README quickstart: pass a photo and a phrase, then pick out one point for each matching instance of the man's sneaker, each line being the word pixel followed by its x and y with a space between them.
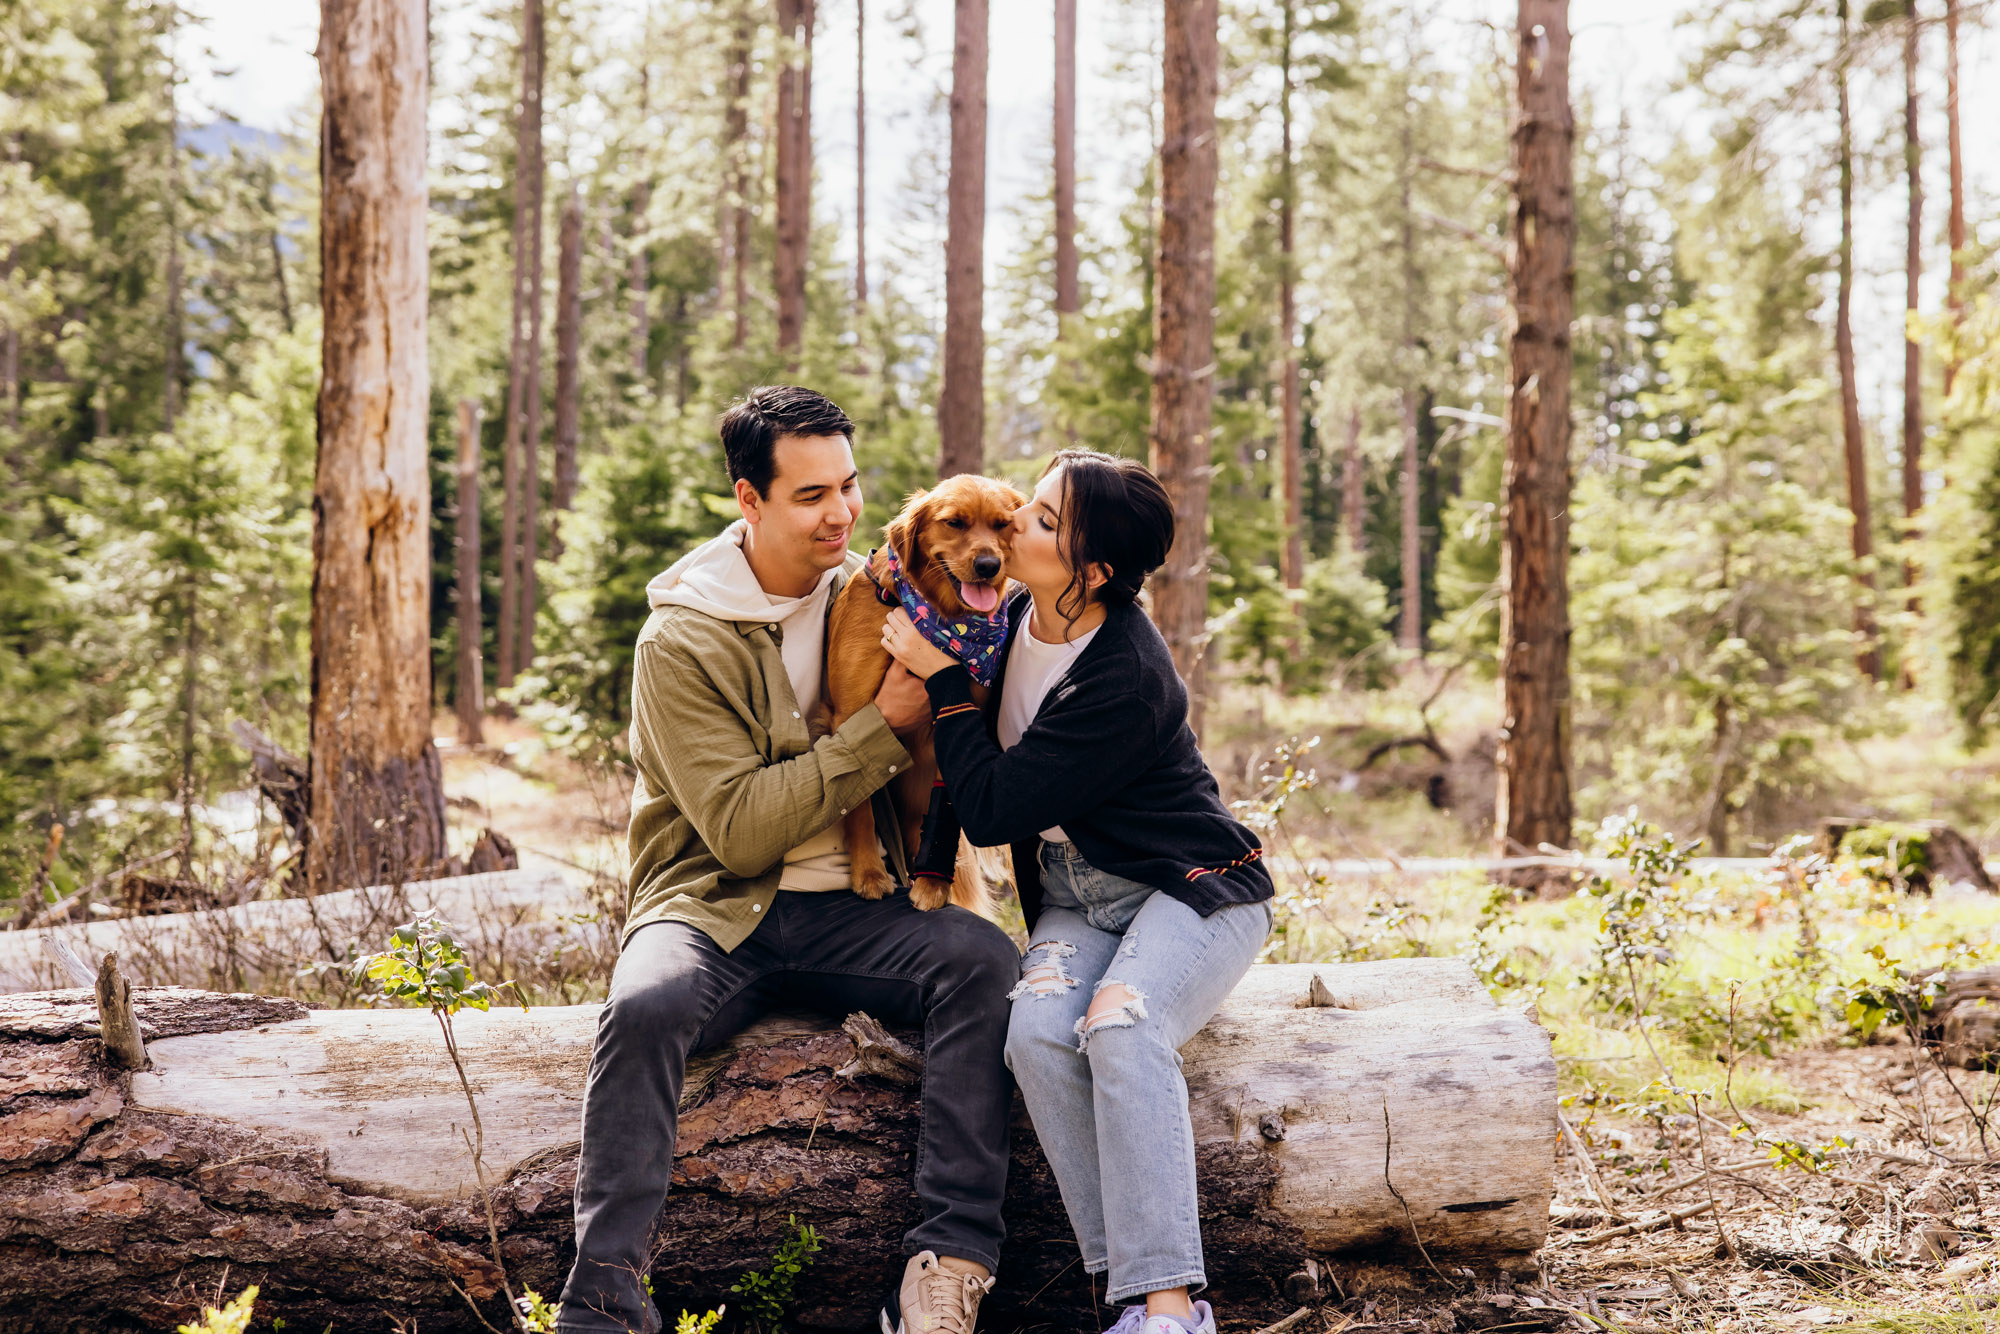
pixel 1202 1323
pixel 935 1300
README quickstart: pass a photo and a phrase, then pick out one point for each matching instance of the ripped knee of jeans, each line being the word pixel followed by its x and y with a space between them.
pixel 1115 1005
pixel 1043 972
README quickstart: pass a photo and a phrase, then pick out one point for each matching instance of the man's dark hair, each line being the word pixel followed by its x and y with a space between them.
pixel 751 428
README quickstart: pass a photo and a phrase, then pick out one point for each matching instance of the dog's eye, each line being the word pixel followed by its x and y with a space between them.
pixel 955 523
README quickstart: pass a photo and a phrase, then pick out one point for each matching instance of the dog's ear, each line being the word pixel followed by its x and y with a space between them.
pixel 905 528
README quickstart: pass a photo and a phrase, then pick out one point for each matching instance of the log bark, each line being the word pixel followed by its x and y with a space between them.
pixel 470 690
pixel 1868 655
pixel 1182 408
pixel 962 396
pixel 1534 805
pixel 794 132
pixel 375 798
pixel 317 1155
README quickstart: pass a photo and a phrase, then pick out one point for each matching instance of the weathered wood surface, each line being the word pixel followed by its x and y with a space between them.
pixel 502 917
pixel 318 1155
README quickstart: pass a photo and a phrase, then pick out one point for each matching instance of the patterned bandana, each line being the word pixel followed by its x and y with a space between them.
pixel 973 640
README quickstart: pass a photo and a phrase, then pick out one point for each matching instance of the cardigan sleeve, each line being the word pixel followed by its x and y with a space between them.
pixel 1063 767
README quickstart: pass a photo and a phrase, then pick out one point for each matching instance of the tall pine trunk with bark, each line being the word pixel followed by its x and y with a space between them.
pixel 375 797
pixel 1854 445
pixel 470 691
pixel 736 149
pixel 175 324
pixel 1955 226
pixel 1294 561
pixel 794 131
pixel 1913 272
pixel 1534 804
pixel 638 269
pixel 1410 624
pixel 860 154
pixel 1182 408
pixel 523 350
pixel 962 397
pixel 1068 295
pixel 569 331
pixel 1353 486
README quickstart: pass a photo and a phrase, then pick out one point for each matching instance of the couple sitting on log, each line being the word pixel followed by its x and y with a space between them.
pixel 1146 902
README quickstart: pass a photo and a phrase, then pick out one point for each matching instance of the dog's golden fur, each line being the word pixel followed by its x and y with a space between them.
pixel 938 538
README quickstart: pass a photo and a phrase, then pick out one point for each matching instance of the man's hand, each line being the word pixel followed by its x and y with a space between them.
pixel 902 700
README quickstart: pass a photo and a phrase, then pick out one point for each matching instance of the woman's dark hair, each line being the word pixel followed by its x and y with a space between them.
pixel 1115 513
pixel 750 429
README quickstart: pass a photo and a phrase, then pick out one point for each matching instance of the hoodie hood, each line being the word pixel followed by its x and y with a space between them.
pixel 715 579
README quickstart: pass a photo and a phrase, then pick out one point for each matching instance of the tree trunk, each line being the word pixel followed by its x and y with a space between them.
pixel 795 34
pixel 1913 270
pixel 317 1154
pixel 1068 295
pixel 471 689
pixel 170 401
pixel 860 154
pixel 1868 656
pixel 527 204
pixel 569 327
pixel 531 436
pixel 375 799
pixel 736 135
pixel 1353 488
pixel 638 269
pixel 962 398
pixel 1294 562
pixel 1184 330
pixel 1955 294
pixel 1534 803
pixel 1410 625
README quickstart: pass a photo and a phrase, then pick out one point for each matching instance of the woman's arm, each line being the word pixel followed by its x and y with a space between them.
pixel 1063 766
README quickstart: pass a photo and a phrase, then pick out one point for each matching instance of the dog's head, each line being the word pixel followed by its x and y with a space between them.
pixel 953 541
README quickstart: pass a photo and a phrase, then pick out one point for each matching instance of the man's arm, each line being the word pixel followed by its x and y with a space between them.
pixel 749 813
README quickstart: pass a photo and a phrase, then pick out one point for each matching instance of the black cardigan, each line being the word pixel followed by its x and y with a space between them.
pixel 1110 757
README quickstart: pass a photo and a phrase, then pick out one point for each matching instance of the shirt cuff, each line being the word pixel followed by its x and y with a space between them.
pixel 875 747
pixel 948 686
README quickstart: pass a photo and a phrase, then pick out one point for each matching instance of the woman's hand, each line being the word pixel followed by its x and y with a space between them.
pixel 907 646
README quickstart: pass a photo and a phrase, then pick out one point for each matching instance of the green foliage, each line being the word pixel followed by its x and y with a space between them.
pixel 1329 633
pixel 232 1318
pixel 766 1294
pixel 1890 854
pixel 535 1314
pixel 704 1323
pixel 1646 912
pixel 425 965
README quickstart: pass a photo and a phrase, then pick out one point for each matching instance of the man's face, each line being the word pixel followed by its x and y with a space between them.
pixel 815 500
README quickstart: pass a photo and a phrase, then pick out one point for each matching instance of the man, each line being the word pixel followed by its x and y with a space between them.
pixel 738 894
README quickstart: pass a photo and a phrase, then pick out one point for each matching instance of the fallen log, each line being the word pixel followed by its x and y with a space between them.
pixel 506 920
pixel 1341 1112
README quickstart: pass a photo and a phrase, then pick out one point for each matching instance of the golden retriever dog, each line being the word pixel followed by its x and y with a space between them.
pixel 951 543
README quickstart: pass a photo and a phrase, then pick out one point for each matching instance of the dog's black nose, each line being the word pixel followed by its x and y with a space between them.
pixel 986 566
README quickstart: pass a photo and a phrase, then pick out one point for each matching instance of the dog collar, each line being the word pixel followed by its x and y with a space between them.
pixel 973 640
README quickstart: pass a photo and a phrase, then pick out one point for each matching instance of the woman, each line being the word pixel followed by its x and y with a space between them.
pixel 1147 901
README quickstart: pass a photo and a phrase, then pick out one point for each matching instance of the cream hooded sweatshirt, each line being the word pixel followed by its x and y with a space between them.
pixel 715 579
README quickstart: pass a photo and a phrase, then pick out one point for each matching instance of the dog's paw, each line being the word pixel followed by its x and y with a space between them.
pixel 874 884
pixel 929 893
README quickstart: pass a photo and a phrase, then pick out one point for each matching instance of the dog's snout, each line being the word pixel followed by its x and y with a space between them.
pixel 986 565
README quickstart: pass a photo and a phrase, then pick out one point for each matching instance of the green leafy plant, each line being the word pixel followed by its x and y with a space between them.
pixel 425 965
pixel 1647 911
pixel 767 1293
pixel 233 1318
pixel 1892 855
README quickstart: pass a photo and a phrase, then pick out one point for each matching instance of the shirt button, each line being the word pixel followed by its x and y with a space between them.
pixel 756 907
pixel 843 810
pixel 795 713
pixel 892 768
pixel 774 629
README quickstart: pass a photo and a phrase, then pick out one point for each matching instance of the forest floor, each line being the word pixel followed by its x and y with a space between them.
pixel 1838 1183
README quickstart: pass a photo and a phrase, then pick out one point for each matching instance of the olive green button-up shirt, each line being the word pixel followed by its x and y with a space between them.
pixel 729 776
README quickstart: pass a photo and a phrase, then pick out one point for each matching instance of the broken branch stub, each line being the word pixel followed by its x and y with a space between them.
pixel 117 1024
pixel 879 1053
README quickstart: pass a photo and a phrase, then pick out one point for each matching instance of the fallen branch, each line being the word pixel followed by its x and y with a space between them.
pixel 1674 1219
pixel 117 1024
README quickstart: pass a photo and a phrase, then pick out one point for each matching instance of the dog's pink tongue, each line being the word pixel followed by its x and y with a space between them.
pixel 982 598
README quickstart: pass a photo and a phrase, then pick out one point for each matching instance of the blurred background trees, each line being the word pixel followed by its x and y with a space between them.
pixel 159 361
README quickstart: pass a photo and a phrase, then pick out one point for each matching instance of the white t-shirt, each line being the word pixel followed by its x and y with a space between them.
pixel 1033 668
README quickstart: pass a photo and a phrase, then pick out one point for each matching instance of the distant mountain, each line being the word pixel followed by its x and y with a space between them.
pixel 216 138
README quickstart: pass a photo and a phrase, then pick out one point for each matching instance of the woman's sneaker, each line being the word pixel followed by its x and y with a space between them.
pixel 935 1300
pixel 1134 1320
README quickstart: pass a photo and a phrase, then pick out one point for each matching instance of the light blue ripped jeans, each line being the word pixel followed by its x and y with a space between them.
pixel 1108 1101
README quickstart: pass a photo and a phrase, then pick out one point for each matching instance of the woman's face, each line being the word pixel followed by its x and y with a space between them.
pixel 1036 559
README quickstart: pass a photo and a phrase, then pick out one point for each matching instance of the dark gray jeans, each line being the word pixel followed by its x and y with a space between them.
pixel 675 992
